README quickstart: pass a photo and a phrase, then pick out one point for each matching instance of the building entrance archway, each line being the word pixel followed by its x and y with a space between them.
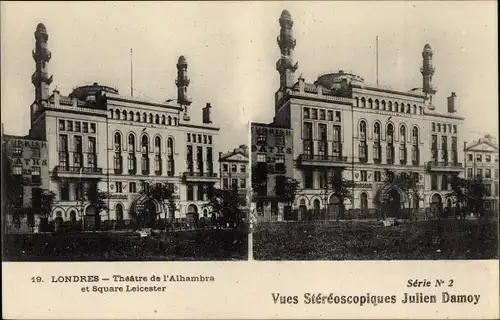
pixel 393 203
pixel 436 205
pixel 334 208
pixel 192 215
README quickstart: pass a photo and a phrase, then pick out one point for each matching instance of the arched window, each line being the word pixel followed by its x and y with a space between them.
pixel 145 154
pixel 111 114
pixel 124 114
pixel 137 117
pixel 157 119
pixel 363 102
pixel 414 110
pixel 356 102
pixel 132 162
pixel 117 114
pixel 383 105
pixel 144 117
pixel 434 182
pixel 118 141
pixel 150 118
pixel 377 105
pixel 169 120
pixel 370 103
pixel 175 121
pixel 415 153
pixel 364 202
pixel 316 206
pixel 444 182
pixel 420 111
pixel 415 135
pixel 376 131
pixel 131 143
pixel 390 133
pixel 131 115
pixel 119 214
pixel 163 119
pixel 362 130
pixel 402 134
pixel 390 145
pixel 396 107
pixel 408 107
pixel 389 106
pixel 170 157
pixel 118 156
pixel 158 155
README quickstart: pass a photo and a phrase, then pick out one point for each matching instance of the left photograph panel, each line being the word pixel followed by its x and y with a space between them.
pixel 117 145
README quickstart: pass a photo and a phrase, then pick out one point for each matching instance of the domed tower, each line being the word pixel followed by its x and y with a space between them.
pixel 427 71
pixel 286 43
pixel 41 79
pixel 182 83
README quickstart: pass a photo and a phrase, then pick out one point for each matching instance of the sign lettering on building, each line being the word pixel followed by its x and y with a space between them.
pixel 28 161
pixel 273 131
pixel 271 149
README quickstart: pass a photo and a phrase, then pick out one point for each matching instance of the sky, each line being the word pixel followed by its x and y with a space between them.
pixel 231 50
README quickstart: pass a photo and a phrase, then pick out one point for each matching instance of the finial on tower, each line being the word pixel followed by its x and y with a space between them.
pixel 286 43
pixel 427 71
pixel 182 83
pixel 41 54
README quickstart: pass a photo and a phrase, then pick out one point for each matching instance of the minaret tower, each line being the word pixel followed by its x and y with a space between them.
pixel 286 42
pixel 182 83
pixel 427 71
pixel 41 78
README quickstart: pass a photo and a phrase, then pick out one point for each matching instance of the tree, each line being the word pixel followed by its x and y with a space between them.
pixel 164 194
pixel 407 182
pixel 227 203
pixel 97 198
pixel 469 193
pixel 46 202
pixel 459 194
pixel 341 189
pixel 289 191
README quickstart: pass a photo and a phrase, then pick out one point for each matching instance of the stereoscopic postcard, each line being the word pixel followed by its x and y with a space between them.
pixel 249 160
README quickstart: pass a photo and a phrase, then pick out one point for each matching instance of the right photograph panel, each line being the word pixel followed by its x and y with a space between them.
pixel 351 169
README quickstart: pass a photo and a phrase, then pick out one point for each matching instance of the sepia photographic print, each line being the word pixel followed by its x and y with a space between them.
pixel 249 160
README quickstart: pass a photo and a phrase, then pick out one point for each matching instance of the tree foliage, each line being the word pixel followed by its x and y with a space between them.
pixel 97 198
pixel 163 193
pixel 468 193
pixel 47 198
pixel 289 192
pixel 226 203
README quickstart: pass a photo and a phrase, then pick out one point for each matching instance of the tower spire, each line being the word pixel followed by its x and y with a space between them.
pixel 286 43
pixel 182 83
pixel 41 54
pixel 427 71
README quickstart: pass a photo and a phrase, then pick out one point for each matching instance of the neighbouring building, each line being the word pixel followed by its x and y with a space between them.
pixel 342 125
pixel 234 171
pixel 272 162
pixel 26 173
pixel 96 136
pixel 481 159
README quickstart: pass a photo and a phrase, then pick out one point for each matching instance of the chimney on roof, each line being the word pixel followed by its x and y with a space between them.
pixel 206 114
pixel 451 103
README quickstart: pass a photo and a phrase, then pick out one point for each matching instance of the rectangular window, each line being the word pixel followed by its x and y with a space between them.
pixel 479 158
pixel 280 164
pixel 119 187
pixel 308 179
pixel 64 191
pixel 416 177
pixel 77 144
pixel 234 168
pixel 63 142
pixel 204 139
pixel 487 173
pixel 209 139
pixel 314 114
pixel 469 173
pixel 225 167
pixel 17 151
pixel 377 176
pixel 330 115
pixel 85 127
pixel 322 115
pixel 188 137
pixel 199 138
pixel 306 113
pixel 132 187
pixel 199 192
pixel 488 158
pixel 35 152
pixel 243 168
pixel 279 140
pixel 496 173
pixel 62 125
pixel 261 158
pixel 92 128
pixel 78 126
pixel 364 175
pixel 337 116
pixel 234 183
pixel 70 125
pixel 243 183
pixel 479 172
pixel 470 157
pixel 92 145
pixel 190 193
pixel 225 183
pixel 17 170
pixel 35 175
pixel 433 127
pixel 262 139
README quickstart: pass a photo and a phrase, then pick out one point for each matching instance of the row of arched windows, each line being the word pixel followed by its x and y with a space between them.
pixel 144 149
pixel 143 117
pixel 377 132
pixel 400 107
